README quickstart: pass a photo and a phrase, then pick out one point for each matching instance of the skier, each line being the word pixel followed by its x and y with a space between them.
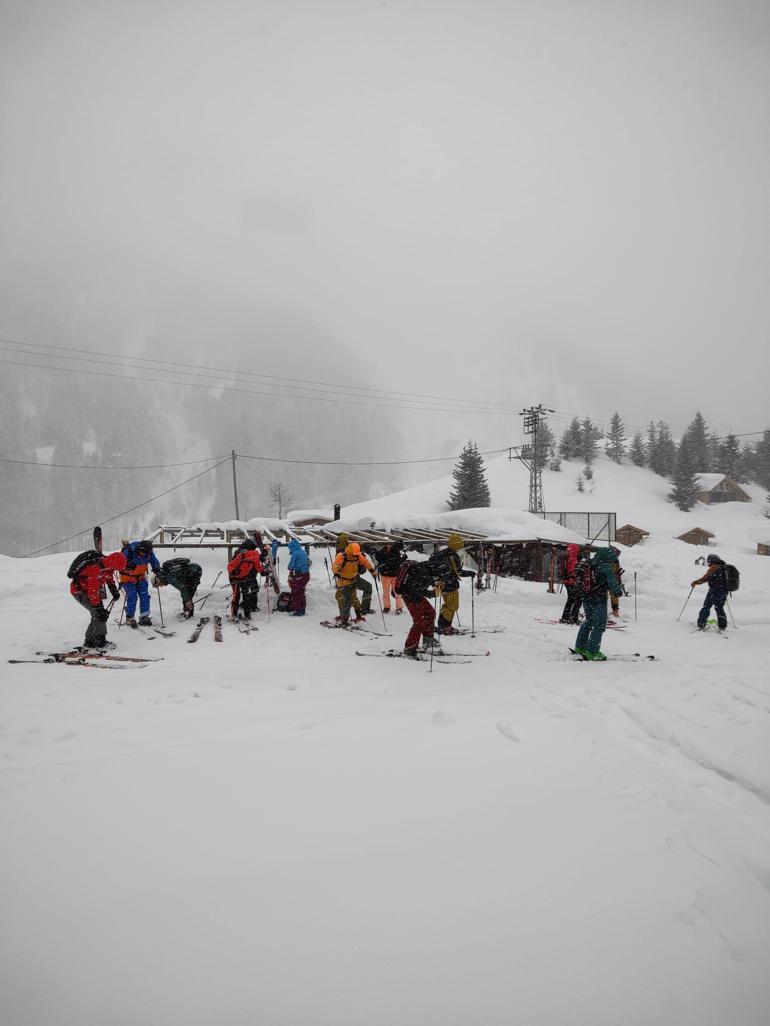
pixel 595 579
pixel 242 571
pixel 183 575
pixel 449 570
pixel 416 583
pixel 347 568
pixel 133 580
pixel 618 570
pixel 85 588
pixel 571 611
pixel 389 561
pixel 716 595
pixel 299 575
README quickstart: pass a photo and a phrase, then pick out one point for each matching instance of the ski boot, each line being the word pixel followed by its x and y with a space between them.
pixel 411 653
pixel 595 657
pixel 399 612
pixel 145 621
pixel 431 643
pixel 359 618
pixel 131 621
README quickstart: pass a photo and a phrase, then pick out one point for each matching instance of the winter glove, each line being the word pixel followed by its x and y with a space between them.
pixel 101 614
pixel 695 584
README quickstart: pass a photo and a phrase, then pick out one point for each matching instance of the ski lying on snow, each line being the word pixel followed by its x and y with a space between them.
pixel 217 628
pixel 243 625
pixel 561 623
pixel 702 630
pixel 80 661
pixel 464 655
pixel 479 630
pixel 421 657
pixel 353 627
pixel 634 657
pixel 85 653
pixel 197 632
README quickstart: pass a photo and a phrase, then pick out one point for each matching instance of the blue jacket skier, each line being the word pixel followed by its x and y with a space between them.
pixel 133 580
pixel 299 575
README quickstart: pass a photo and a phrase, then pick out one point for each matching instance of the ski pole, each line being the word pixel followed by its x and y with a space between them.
pixel 234 601
pixel 211 592
pixel 267 599
pixel 123 610
pixel 731 613
pixel 473 613
pixel 634 594
pixel 685 603
pixel 379 603
pixel 160 606
pixel 433 639
pixel 329 576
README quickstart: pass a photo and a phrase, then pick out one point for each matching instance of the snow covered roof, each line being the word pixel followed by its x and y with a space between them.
pixel 708 481
pixel 492 524
pixel 321 515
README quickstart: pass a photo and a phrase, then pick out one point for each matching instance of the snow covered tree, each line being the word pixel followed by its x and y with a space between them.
pixel 729 457
pixel 699 443
pixel 555 463
pixel 637 452
pixel 662 456
pixel 569 443
pixel 589 435
pixel 546 443
pixel 580 482
pixel 588 472
pixel 616 439
pixel 760 470
pixel 281 498
pixel 652 441
pixel 470 489
pixel 684 479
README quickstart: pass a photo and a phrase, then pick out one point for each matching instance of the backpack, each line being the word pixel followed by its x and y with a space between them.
pixel 79 563
pixel 400 581
pixel 283 605
pixel 732 577
pixel 172 565
pixel 416 573
pixel 585 578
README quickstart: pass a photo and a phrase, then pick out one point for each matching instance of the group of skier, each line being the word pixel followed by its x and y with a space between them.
pixel 590 578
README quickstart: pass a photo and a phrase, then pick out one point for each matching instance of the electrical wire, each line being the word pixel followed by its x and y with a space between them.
pixel 304 384
pixel 361 463
pixel 76 466
pixel 218 387
pixel 125 512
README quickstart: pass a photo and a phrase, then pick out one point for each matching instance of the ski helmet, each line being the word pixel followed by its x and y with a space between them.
pixel 248 543
pixel 712 559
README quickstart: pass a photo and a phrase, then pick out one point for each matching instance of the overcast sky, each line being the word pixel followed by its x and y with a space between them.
pixel 535 200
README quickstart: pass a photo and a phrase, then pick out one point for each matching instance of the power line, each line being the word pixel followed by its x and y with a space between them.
pixel 361 463
pixel 304 384
pixel 125 512
pixel 75 466
pixel 249 391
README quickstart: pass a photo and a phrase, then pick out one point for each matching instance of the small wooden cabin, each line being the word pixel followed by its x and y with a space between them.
pixel 630 535
pixel 696 536
pixel 763 549
pixel 719 488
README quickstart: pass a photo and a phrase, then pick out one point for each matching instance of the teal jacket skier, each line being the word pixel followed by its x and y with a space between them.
pixel 599 578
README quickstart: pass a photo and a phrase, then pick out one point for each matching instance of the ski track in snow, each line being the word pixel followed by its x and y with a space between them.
pixel 446 846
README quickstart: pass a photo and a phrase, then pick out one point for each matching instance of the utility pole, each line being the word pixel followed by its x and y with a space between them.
pixel 235 489
pixel 533 418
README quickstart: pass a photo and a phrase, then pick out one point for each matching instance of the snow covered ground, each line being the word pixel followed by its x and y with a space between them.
pixel 274 831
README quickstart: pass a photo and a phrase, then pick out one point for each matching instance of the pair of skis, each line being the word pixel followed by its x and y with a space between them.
pixel 423 657
pixel 217 620
pixel 359 628
pixel 89 658
pixel 633 657
pixel 611 625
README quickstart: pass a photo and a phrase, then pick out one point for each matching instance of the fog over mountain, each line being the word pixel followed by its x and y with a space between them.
pixel 559 202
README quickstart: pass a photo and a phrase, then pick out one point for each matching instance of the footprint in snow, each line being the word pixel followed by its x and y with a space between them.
pixel 506 731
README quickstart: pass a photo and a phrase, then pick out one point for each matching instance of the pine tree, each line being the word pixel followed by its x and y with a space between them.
pixel 546 444
pixel 589 436
pixel 698 434
pixel 636 452
pixel 652 443
pixel 616 439
pixel 580 482
pixel 684 493
pixel 470 489
pixel 761 461
pixel 588 472
pixel 569 443
pixel 662 457
pixel 729 458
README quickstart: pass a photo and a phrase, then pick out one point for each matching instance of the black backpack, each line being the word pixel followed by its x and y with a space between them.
pixel 283 605
pixel 171 565
pixel 732 577
pixel 79 563
pixel 414 573
pixel 585 578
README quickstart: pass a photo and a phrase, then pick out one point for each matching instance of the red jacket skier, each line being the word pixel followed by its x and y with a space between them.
pixel 86 589
pixel 242 571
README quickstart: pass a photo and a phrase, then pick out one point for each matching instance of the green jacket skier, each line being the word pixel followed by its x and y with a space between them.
pixel 183 575
pixel 597 578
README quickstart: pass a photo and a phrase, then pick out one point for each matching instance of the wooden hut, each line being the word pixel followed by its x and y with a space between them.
pixel 719 488
pixel 763 549
pixel 696 536
pixel 630 535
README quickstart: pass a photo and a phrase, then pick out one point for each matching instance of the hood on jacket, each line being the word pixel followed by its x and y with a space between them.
pixel 295 546
pixel 605 556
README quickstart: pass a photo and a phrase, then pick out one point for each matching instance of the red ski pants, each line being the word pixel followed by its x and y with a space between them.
pixel 423 621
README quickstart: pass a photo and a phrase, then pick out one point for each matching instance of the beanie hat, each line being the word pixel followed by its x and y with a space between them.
pixel 455 542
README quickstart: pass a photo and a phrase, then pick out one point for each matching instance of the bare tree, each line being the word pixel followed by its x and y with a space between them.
pixel 281 498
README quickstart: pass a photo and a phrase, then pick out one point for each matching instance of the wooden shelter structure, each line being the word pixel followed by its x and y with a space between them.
pixel 696 536
pixel 630 535
pixel 763 549
pixel 720 488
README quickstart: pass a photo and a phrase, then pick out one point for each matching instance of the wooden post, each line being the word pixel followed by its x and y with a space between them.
pixel 235 488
